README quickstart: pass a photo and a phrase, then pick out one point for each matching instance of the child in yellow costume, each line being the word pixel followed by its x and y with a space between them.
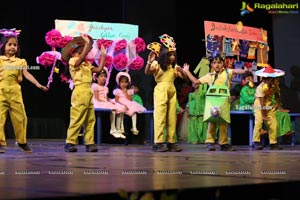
pixel 264 107
pixel 219 76
pixel 164 70
pixel 82 107
pixel 11 70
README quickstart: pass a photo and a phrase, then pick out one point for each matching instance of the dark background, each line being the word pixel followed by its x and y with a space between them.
pixel 48 112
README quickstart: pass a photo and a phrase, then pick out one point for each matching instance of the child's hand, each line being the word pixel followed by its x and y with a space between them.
pixel 85 37
pixel 44 88
pixel 186 67
pixel 103 50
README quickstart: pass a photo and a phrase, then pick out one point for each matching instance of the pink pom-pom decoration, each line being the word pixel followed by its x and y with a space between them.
pixel 46 59
pixel 137 63
pixel 120 61
pixel 140 44
pixel 65 40
pixel 108 61
pixel 105 43
pixel 53 38
pixel 121 44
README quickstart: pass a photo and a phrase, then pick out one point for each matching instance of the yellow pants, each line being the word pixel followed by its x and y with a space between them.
pixel 11 100
pixel 81 114
pixel 272 126
pixel 211 133
pixel 165 113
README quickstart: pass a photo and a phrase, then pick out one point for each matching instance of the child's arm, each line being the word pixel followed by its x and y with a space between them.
pixel 101 65
pixel 240 71
pixel 149 69
pixel 84 51
pixel 31 78
pixel 262 109
pixel 180 71
pixel 189 74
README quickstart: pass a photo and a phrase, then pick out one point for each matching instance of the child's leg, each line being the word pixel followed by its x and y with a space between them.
pixel 117 133
pixel 122 129
pixel 113 121
pixel 134 129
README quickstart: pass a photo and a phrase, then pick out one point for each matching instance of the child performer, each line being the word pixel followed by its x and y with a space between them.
pixel 11 70
pixel 220 76
pixel 82 107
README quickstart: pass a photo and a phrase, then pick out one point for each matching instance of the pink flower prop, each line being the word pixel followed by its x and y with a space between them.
pixel 120 61
pixel 108 61
pixel 121 44
pixel 140 44
pixel 53 38
pixel 65 40
pixel 137 63
pixel 105 43
pixel 46 59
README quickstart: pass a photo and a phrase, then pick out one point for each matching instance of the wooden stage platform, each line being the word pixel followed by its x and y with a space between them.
pixel 51 173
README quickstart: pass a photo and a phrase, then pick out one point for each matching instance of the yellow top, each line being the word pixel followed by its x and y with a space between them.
pixel 81 74
pixel 221 80
pixel 167 76
pixel 11 68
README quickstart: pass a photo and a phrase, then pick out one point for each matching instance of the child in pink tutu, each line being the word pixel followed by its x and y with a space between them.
pixel 101 100
pixel 123 95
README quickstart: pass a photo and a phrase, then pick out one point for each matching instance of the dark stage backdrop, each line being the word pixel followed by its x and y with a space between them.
pixel 182 19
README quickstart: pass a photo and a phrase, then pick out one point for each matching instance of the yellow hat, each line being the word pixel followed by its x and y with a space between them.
pixel 168 41
pixel 72 45
pixel 154 47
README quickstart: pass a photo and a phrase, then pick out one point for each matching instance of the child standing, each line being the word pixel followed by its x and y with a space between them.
pixel 11 70
pixel 123 95
pixel 82 107
pixel 220 76
pixel 164 70
pixel 101 100
pixel 265 108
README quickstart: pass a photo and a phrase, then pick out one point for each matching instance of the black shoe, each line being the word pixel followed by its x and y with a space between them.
pixel 160 147
pixel 211 147
pixel 91 148
pixel 227 147
pixel 2 149
pixel 70 147
pixel 173 147
pixel 25 148
pixel 275 147
pixel 257 146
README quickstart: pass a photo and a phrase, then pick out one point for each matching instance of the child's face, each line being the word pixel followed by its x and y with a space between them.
pixel 123 83
pixel 246 80
pixel 101 79
pixel 11 47
pixel 136 89
pixel 217 65
pixel 172 57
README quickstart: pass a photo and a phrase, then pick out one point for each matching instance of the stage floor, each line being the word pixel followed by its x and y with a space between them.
pixel 49 172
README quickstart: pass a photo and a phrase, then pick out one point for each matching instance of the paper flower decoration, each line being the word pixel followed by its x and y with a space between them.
pixel 137 63
pixel 140 44
pixel 105 43
pixel 48 58
pixel 53 38
pixel 65 40
pixel 120 61
pixel 121 44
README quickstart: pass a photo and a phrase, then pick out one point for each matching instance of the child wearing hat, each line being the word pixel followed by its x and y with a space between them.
pixel 82 108
pixel 162 64
pixel 12 68
pixel 123 95
pixel 264 107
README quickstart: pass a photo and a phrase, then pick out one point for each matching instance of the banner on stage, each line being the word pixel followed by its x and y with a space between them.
pixel 236 31
pixel 97 30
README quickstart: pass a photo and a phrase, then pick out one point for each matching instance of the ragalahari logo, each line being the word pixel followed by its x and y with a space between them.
pixel 246 9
